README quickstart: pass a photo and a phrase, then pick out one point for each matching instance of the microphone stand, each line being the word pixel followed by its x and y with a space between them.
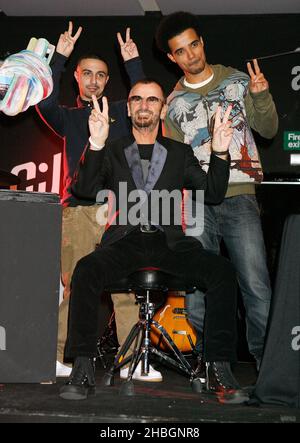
pixel 275 55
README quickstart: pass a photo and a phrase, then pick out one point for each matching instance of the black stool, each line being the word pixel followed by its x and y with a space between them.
pixel 148 285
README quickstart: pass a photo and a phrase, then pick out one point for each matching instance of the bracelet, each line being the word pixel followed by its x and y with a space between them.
pixel 219 152
pixel 95 147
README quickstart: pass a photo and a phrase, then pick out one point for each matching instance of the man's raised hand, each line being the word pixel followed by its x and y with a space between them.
pixel 66 41
pixel 222 132
pixel 257 83
pixel 99 122
pixel 128 48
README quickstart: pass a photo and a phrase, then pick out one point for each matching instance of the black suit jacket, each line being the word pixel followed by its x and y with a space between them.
pixel 173 168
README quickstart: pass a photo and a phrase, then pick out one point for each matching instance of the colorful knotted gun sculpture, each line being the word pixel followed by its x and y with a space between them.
pixel 25 77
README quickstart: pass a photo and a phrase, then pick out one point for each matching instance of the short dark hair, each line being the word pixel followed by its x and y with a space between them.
pixel 148 81
pixel 93 56
pixel 174 24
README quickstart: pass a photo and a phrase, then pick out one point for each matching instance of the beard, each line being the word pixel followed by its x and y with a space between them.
pixel 148 120
pixel 196 67
pixel 195 70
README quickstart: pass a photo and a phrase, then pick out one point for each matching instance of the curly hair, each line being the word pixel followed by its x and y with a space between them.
pixel 174 24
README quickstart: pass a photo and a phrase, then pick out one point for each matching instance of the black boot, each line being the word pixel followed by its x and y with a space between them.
pixel 221 381
pixel 81 382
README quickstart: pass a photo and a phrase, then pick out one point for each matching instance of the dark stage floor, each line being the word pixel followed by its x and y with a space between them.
pixel 171 401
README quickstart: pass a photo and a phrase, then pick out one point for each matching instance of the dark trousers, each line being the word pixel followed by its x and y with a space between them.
pixel 195 266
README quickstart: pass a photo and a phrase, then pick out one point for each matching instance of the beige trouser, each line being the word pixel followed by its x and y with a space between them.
pixel 80 235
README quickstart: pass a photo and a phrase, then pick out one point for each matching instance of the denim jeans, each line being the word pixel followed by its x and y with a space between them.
pixel 237 222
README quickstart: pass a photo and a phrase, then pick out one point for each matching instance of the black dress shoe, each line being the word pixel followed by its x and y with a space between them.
pixel 221 382
pixel 81 383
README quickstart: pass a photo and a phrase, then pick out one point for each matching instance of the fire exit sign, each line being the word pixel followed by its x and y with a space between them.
pixel 291 141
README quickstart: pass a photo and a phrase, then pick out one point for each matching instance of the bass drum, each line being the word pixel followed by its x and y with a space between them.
pixel 173 317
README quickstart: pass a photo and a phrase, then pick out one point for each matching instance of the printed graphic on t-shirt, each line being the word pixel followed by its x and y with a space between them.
pixel 193 115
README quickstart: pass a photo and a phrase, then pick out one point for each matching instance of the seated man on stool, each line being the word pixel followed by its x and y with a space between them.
pixel 146 164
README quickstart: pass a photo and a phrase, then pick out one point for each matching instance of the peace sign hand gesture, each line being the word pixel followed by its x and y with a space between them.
pixel 222 133
pixel 66 42
pixel 99 122
pixel 257 83
pixel 128 49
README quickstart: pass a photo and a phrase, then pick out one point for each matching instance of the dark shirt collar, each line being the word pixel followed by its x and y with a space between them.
pixel 129 139
pixel 85 103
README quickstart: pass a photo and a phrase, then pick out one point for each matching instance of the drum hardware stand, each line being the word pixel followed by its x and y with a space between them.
pixel 140 333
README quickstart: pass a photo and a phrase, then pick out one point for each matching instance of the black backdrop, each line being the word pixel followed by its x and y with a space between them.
pixel 30 149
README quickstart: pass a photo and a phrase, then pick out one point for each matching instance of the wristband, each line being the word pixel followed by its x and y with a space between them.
pixel 94 146
pixel 219 152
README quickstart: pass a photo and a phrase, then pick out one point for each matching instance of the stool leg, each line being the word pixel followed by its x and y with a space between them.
pixel 199 376
pixel 140 352
pixel 181 362
pixel 119 360
pixel 108 378
pixel 147 341
pixel 127 387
